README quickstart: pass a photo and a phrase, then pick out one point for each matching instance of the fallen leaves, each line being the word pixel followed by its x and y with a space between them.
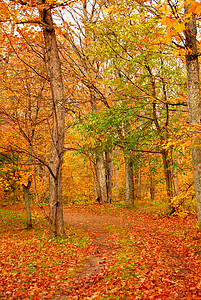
pixel 150 259
pixel 31 264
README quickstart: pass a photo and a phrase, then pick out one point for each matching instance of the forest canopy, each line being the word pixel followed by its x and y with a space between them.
pixel 100 100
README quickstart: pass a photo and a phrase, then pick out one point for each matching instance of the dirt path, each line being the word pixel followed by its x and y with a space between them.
pixel 105 247
pixel 105 250
pixel 174 270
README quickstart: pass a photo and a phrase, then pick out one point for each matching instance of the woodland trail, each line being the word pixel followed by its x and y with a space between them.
pixel 165 268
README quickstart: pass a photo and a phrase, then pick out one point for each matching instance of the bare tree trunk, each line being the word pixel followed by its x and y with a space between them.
pixel 152 187
pixel 108 176
pixel 26 189
pixel 176 187
pixel 101 179
pixel 58 130
pixel 168 173
pixel 129 182
pixel 137 182
pixel 194 105
pixel 116 176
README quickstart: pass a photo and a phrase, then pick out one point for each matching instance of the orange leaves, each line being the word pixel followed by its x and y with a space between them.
pixel 4 11
pixel 175 19
pixel 194 7
pixel 152 259
pixel 32 265
pixel 168 21
pixel 174 26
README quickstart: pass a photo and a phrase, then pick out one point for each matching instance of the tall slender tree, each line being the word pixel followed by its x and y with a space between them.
pixel 39 13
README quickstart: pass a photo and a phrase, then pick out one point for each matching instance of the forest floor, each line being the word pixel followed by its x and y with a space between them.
pixel 111 253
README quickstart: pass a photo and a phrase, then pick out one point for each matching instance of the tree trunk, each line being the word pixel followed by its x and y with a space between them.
pixel 168 174
pixel 194 105
pixel 116 176
pixel 137 182
pixel 58 130
pixel 152 187
pixel 101 179
pixel 176 186
pixel 26 189
pixel 108 176
pixel 163 134
pixel 129 182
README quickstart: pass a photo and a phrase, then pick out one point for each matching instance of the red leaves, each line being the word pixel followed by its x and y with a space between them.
pixel 154 262
pixel 139 258
pixel 34 266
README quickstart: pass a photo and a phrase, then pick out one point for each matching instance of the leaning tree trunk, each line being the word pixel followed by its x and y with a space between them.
pixel 194 105
pixel 130 196
pixel 58 130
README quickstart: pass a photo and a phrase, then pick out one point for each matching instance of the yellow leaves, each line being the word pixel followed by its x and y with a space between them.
pixel 178 52
pixel 109 9
pixel 25 177
pixel 183 204
pixel 198 9
pixel 179 27
pixel 174 24
pixel 166 9
pixel 35 215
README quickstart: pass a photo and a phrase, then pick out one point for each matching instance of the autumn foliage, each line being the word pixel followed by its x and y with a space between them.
pixel 100 113
pixel 131 255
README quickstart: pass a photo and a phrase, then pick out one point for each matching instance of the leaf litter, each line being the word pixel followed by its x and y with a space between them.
pixel 125 256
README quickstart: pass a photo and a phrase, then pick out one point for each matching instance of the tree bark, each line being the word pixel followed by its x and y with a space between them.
pixel 176 186
pixel 194 105
pixel 58 130
pixel 137 182
pixel 152 187
pixel 101 179
pixel 163 134
pixel 116 176
pixel 26 189
pixel 129 182
pixel 108 176
pixel 168 173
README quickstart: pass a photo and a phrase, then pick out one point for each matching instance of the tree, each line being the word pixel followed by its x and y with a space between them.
pixel 144 92
pixel 22 94
pixel 182 31
pixel 39 14
pixel 194 101
pixel 86 72
pixel 58 130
